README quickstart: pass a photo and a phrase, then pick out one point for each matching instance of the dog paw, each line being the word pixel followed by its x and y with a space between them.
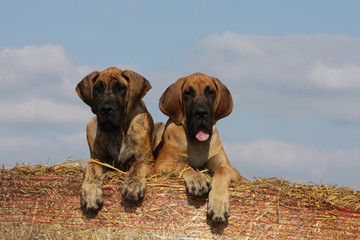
pixel 197 184
pixel 134 189
pixel 218 206
pixel 91 199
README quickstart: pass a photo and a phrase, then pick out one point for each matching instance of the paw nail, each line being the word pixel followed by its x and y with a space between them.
pixel 217 219
pixel 124 192
pixel 99 202
pixel 211 213
pixel 83 204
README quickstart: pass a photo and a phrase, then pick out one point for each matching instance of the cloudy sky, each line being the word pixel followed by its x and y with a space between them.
pixel 293 68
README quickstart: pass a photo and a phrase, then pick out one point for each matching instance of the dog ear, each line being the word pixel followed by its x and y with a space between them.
pixel 170 102
pixel 138 87
pixel 224 102
pixel 85 87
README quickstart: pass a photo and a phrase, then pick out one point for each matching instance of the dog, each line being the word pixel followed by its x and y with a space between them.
pixel 191 141
pixel 120 135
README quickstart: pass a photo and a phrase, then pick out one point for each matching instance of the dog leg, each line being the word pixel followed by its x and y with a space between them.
pixel 135 181
pixel 138 145
pixel 196 182
pixel 91 131
pixel 91 193
pixel 219 197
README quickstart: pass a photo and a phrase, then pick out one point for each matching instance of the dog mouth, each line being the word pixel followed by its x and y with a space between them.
pixel 107 126
pixel 202 135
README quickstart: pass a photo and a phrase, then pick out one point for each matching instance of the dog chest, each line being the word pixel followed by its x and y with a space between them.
pixel 198 154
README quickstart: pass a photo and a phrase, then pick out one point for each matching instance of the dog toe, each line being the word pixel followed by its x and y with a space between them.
pixel 134 189
pixel 91 199
pixel 218 206
pixel 198 184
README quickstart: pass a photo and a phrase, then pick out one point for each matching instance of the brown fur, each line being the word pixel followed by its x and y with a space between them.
pixel 177 152
pixel 128 148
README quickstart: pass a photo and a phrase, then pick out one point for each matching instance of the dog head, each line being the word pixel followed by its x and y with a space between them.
pixel 112 94
pixel 197 102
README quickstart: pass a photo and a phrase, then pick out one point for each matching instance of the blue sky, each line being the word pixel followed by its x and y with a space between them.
pixel 292 67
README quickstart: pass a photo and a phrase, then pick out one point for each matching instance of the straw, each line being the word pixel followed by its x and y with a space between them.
pixel 42 202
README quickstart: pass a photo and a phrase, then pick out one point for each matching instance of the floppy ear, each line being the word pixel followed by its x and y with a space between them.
pixel 138 87
pixel 224 102
pixel 84 89
pixel 170 103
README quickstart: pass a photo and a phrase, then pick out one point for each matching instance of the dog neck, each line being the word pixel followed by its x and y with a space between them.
pixel 107 145
pixel 198 153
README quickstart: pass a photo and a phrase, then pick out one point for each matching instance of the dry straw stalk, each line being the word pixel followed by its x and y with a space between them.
pixel 42 202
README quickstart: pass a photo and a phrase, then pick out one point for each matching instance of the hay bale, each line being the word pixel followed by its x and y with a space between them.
pixel 41 202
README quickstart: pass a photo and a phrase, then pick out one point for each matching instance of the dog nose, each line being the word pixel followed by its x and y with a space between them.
pixel 107 109
pixel 201 113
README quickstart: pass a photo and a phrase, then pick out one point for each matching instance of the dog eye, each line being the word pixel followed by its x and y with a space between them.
pixel 120 88
pixel 188 93
pixel 98 89
pixel 210 92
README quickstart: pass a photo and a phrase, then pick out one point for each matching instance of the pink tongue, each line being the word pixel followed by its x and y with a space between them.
pixel 202 136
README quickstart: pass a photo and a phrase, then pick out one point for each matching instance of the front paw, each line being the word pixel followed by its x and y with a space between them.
pixel 91 199
pixel 218 206
pixel 197 183
pixel 134 189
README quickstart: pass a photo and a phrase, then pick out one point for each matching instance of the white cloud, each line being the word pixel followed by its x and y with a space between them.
pixel 336 78
pixel 38 85
pixel 268 152
pixel 272 158
pixel 42 149
pixel 42 110
pixel 290 76
pixel 41 72
pixel 32 64
pixel 41 115
pixel 233 44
